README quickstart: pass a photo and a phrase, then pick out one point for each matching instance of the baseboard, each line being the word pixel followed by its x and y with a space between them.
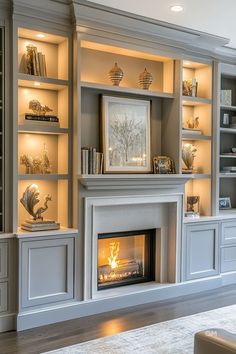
pixel 7 322
pixel 69 311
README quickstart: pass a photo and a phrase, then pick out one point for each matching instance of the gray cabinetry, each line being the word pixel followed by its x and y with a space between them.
pixel 200 250
pixel 228 246
pixel 46 270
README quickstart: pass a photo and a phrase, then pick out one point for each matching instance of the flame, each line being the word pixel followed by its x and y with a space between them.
pixel 113 259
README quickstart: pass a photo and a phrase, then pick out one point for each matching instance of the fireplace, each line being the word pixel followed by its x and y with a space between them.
pixel 126 258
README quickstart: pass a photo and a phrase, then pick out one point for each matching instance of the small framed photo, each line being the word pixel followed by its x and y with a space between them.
pixel 224 203
pixel 126 135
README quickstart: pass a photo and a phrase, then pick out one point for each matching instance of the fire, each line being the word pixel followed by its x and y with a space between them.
pixel 113 259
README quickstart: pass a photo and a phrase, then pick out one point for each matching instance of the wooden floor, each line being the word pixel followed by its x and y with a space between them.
pixel 63 334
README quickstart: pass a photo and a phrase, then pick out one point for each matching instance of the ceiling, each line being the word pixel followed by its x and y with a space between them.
pixel 216 17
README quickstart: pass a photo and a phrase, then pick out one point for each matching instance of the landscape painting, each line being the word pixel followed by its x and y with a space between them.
pixel 126 135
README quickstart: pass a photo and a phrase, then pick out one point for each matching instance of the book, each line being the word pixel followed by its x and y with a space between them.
pixel 94 161
pixel 44 66
pixel 91 161
pixel 46 118
pixel 28 226
pixel 41 68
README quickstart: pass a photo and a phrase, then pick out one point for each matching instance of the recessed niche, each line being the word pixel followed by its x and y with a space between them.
pixel 203 74
pixel 201 188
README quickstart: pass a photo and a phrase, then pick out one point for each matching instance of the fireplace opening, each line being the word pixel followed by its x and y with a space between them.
pixel 126 258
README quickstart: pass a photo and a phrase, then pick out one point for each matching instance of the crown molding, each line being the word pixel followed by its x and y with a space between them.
pixel 93 18
pixel 53 11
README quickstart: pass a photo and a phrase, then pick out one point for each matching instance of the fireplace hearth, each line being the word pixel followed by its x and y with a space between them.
pixel 126 258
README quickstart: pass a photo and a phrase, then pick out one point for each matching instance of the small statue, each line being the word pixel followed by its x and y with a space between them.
pixel 37 165
pixel 188 155
pixel 193 123
pixel 29 200
pixel 38 109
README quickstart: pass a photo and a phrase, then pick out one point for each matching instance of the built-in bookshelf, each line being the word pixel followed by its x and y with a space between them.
pixel 44 139
pixel 2 136
pixel 197 129
pixel 227 138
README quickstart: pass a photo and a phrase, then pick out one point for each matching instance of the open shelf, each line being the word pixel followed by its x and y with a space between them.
pixel 41 177
pixel 200 187
pixel 195 101
pixel 25 80
pixel 190 136
pixel 233 156
pixel 124 90
pixel 132 63
pixel 228 130
pixel 41 129
pixel 197 175
pixel 228 108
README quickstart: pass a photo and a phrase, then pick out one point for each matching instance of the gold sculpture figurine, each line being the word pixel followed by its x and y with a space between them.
pixel 38 108
pixel 29 200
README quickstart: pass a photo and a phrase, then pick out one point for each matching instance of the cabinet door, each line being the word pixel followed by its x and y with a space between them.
pixel 201 251
pixel 46 271
pixel 3 259
pixel 228 233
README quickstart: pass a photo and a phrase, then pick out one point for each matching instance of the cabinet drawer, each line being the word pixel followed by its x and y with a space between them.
pixel 228 234
pixel 3 259
pixel 228 259
pixel 3 296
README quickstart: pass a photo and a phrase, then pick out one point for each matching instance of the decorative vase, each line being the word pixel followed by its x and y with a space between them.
pixel 116 75
pixel 145 79
pixel 188 155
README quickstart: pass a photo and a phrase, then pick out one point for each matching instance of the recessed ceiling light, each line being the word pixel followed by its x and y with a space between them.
pixel 40 35
pixel 37 84
pixel 177 8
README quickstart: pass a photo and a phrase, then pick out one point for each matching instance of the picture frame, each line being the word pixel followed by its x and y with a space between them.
pixel 225 203
pixel 163 165
pixel 126 135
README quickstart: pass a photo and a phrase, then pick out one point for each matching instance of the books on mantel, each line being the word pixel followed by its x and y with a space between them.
pixel 191 131
pixel 91 161
pixel 42 120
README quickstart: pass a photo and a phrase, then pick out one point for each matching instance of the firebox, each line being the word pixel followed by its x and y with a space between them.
pixel 126 258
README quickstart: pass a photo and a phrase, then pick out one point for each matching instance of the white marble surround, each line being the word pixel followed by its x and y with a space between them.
pixel 123 213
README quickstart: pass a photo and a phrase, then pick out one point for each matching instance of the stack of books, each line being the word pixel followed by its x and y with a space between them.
pixel 91 161
pixel 42 120
pixel 35 62
pixel 38 225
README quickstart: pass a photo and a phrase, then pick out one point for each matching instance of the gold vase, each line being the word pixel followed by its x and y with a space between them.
pixel 145 79
pixel 116 75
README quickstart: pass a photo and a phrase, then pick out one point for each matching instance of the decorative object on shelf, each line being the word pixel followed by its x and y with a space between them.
pixel 37 165
pixel 35 61
pixel 188 155
pixel 233 149
pixel 225 120
pixel 126 135
pixel 145 79
pixel 91 161
pixel 40 116
pixel 163 165
pixel 226 97
pixel 116 75
pixel 225 203
pixel 29 200
pixel 190 87
pixel 193 206
pixel 193 123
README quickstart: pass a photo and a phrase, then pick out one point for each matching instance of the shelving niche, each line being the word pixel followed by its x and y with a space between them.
pixel 34 138
pixel 95 82
pixel 192 107
pixel 227 134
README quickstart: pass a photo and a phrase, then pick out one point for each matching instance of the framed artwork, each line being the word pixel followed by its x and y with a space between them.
pixel 126 135
pixel 224 203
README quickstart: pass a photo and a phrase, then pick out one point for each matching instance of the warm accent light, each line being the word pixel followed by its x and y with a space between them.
pixel 40 35
pixel 37 84
pixel 177 8
pixel 187 63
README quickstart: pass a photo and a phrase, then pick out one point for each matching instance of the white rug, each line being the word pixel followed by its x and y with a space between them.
pixel 170 337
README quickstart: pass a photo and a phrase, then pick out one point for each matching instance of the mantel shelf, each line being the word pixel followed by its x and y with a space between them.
pixel 132 181
pixel 134 91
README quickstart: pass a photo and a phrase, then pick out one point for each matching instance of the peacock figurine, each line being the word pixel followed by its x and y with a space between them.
pixel 30 199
